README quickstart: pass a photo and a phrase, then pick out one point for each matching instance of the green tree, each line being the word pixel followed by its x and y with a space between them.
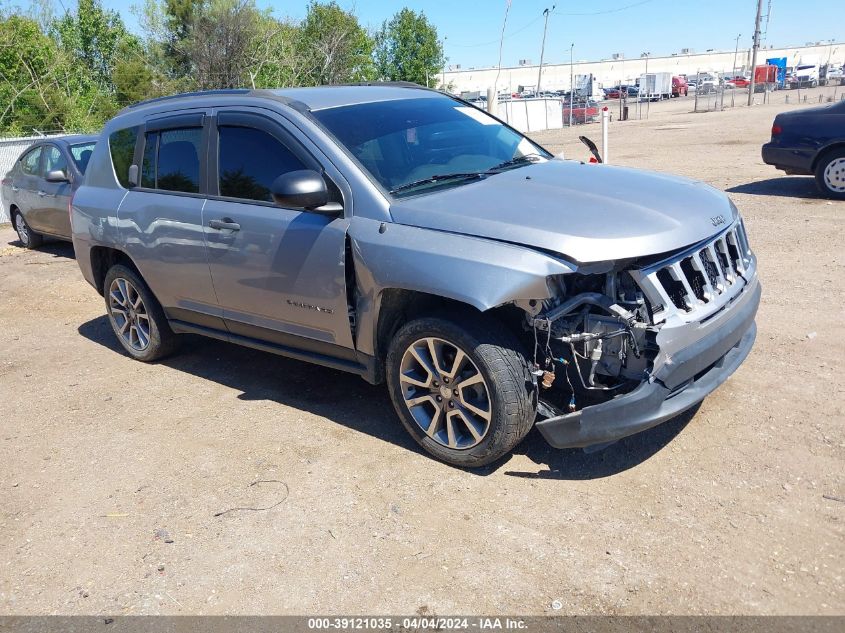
pixel 407 49
pixel 220 42
pixel 334 47
pixel 26 65
pixel 276 57
pixel 91 38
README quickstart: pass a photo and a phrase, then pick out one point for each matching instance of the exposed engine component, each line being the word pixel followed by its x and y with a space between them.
pixel 600 337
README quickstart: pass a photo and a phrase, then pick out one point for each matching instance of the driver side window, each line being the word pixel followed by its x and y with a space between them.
pixel 250 160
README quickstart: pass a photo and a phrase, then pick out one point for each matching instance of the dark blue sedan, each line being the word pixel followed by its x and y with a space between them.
pixel 811 142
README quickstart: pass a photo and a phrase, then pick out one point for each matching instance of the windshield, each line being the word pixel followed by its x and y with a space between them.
pixel 82 154
pixel 407 141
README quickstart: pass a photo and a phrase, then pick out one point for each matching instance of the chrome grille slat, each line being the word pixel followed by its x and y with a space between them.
pixel 738 262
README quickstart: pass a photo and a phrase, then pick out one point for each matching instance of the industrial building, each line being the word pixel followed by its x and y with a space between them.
pixel 621 70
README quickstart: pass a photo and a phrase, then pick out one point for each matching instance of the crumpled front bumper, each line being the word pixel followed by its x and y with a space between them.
pixel 694 371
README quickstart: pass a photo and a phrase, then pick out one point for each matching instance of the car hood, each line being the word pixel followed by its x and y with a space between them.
pixel 584 212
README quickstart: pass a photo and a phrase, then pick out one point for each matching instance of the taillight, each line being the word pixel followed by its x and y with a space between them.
pixel 776 129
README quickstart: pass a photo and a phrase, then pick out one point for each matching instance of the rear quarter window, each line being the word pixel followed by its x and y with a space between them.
pixel 122 150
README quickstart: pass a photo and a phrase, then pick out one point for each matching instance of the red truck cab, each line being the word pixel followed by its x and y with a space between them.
pixel 679 86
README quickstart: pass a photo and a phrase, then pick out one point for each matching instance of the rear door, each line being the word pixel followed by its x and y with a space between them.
pixel 25 186
pixel 161 218
pixel 280 274
pixel 52 198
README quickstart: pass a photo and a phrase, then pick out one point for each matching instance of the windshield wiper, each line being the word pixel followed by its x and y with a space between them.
pixel 438 178
pixel 517 160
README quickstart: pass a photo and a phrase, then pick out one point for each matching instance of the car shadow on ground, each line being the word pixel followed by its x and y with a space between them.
pixel 350 401
pixel 56 248
pixel 578 464
pixel 787 186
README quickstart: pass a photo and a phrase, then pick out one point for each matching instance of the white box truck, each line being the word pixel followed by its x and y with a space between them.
pixel 655 86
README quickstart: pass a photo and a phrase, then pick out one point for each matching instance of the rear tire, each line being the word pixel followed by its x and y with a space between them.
pixel 475 401
pixel 28 238
pixel 136 317
pixel 830 174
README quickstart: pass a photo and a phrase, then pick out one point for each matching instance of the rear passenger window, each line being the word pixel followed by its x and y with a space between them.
pixel 29 163
pixel 122 150
pixel 250 160
pixel 172 160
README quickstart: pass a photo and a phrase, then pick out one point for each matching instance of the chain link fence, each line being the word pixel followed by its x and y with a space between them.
pixel 10 150
pixel 711 94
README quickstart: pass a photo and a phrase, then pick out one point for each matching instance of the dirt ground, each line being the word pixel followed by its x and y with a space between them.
pixel 112 471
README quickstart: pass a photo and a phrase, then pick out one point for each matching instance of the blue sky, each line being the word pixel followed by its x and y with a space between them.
pixel 472 28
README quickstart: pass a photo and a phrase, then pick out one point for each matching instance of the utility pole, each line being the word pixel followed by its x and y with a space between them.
pixel 754 49
pixel 572 84
pixel 736 52
pixel 543 48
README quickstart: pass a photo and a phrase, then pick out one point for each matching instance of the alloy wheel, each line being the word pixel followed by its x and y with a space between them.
pixel 129 314
pixel 22 230
pixel 445 393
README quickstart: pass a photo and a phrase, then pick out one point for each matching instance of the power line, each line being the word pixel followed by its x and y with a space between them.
pixel 540 17
pixel 497 40
pixel 606 11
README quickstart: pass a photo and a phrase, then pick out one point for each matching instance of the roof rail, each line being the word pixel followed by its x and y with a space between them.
pixel 199 93
pixel 395 84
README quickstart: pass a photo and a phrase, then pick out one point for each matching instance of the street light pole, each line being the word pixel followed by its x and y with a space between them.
pixel 543 47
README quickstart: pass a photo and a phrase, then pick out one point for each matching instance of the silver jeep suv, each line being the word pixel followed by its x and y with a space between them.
pixel 409 237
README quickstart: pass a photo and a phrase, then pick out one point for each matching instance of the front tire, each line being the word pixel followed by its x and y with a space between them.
pixel 461 387
pixel 28 238
pixel 830 174
pixel 136 317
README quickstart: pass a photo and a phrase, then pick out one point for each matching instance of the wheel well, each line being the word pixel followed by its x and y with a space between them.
pixel 827 150
pixel 398 306
pixel 12 210
pixel 103 258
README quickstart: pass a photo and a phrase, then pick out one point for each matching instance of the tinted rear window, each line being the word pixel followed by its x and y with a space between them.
pixel 81 154
pixel 31 161
pixel 171 160
pixel 122 149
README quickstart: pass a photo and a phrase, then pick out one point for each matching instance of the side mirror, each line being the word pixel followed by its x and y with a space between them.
pixel 304 189
pixel 56 175
pixel 132 176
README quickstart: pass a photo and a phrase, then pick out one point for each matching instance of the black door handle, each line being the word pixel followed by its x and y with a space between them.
pixel 225 223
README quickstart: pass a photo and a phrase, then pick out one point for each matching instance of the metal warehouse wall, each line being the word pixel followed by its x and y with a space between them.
pixel 10 150
pixel 612 71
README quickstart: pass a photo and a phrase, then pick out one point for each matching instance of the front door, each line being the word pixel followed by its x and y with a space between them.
pixel 279 273
pixel 52 198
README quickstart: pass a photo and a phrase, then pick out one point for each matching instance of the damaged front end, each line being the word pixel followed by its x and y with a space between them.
pixel 619 351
